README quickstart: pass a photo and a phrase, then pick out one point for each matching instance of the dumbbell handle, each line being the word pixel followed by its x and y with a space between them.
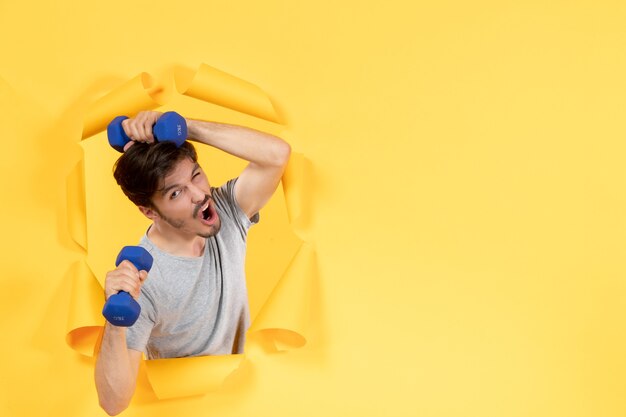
pixel 170 127
pixel 121 309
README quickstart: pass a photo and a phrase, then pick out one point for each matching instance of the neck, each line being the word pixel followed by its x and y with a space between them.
pixel 175 242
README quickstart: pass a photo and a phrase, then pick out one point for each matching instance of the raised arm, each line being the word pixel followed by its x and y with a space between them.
pixel 116 365
pixel 267 156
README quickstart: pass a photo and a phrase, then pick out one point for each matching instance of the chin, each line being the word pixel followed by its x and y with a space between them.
pixel 215 228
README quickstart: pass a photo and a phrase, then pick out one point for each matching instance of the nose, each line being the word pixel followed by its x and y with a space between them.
pixel 197 194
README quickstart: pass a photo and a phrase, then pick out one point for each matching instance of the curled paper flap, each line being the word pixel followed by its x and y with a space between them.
pixel 218 87
pixel 140 93
pixel 183 377
pixel 273 244
pixel 285 317
pixel 297 185
pixel 76 212
pixel 85 320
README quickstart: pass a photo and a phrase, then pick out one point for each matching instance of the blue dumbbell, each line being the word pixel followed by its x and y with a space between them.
pixel 171 127
pixel 121 309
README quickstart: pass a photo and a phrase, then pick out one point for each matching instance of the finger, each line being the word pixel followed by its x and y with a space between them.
pixel 128 265
pixel 128 145
pixel 144 123
pixel 122 282
pixel 134 134
pixel 143 275
pixel 130 286
pixel 141 130
pixel 126 126
pixel 147 129
pixel 127 285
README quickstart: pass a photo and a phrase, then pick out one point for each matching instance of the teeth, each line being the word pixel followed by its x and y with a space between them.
pixel 203 209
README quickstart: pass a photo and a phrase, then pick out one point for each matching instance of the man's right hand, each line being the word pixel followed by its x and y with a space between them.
pixel 124 278
pixel 139 128
pixel 117 365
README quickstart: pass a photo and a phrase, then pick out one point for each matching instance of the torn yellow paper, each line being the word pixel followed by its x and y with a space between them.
pixel 85 316
pixel 287 312
pixel 296 181
pixel 140 93
pixel 76 216
pixel 218 87
pixel 183 377
pixel 272 245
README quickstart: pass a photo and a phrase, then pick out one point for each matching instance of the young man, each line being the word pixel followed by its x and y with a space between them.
pixel 195 301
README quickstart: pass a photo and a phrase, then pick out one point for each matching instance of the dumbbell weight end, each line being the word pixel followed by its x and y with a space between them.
pixel 121 309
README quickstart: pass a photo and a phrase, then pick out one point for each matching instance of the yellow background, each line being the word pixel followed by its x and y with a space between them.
pixel 467 206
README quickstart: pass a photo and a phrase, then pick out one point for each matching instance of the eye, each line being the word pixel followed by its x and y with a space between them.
pixel 175 194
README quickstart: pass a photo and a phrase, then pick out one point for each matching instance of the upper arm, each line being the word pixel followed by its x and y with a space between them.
pixel 257 183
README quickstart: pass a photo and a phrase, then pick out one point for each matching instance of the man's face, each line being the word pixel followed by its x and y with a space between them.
pixel 184 202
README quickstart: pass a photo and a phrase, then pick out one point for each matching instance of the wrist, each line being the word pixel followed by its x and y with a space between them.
pixel 201 131
pixel 193 128
pixel 114 330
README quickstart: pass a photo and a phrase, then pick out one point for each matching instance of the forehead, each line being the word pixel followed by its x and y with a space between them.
pixel 180 173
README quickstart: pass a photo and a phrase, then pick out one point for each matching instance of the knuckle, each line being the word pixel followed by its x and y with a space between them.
pixel 127 265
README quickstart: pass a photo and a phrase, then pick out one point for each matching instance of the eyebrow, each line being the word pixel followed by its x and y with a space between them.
pixel 165 190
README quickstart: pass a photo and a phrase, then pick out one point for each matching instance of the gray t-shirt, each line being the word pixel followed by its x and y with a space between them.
pixel 197 306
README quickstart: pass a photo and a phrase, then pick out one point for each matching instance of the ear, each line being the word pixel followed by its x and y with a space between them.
pixel 148 212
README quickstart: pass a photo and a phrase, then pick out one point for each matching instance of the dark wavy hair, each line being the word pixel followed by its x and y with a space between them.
pixel 140 170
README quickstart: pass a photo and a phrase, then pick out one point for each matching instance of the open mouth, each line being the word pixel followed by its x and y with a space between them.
pixel 208 214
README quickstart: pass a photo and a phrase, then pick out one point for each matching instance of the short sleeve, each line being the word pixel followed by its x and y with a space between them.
pixel 227 203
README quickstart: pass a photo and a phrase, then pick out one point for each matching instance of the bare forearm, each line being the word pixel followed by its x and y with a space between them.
pixel 115 377
pixel 251 145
